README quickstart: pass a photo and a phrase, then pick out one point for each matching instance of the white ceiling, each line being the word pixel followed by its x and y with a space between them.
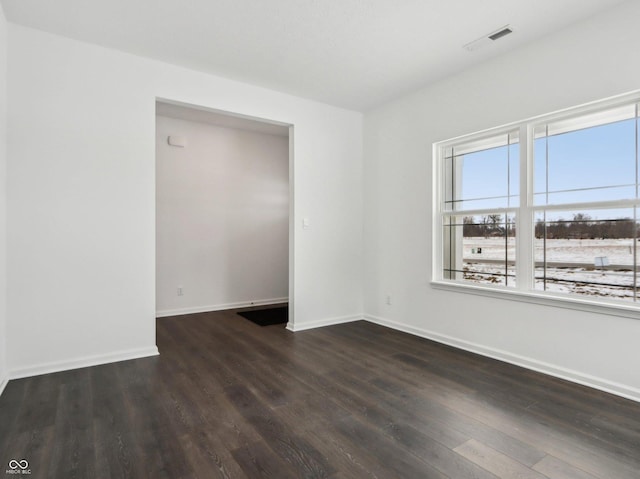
pixel 351 53
pixel 217 118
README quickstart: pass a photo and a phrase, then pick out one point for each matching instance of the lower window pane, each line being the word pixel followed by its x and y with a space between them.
pixel 590 253
pixel 480 249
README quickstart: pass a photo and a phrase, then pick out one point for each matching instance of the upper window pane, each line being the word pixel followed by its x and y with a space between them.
pixel 587 159
pixel 482 174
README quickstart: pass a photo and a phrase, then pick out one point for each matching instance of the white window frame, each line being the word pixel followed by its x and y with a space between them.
pixel 525 213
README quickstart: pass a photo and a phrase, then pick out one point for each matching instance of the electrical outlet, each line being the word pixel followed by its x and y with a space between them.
pixel 180 291
pixel 388 301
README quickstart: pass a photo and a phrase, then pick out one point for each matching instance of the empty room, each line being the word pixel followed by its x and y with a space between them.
pixel 222 213
pixel 444 195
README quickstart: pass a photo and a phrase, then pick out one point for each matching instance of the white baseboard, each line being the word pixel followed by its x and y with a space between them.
pixel 219 307
pixel 84 362
pixel 323 322
pixel 605 385
pixel 3 384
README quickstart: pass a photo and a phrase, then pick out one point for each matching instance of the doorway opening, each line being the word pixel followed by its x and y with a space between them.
pixel 224 202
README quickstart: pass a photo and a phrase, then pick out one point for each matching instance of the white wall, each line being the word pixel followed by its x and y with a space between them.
pixel 589 61
pixel 3 198
pixel 222 222
pixel 81 197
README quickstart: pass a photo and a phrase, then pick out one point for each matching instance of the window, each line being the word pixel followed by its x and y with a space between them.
pixel 546 207
pixel 480 201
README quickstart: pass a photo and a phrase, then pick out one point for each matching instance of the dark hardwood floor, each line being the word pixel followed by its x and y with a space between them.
pixel 227 398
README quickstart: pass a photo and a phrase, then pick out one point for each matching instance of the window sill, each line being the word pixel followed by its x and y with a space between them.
pixel 545 299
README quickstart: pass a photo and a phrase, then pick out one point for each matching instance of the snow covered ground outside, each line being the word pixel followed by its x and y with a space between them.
pixel 570 265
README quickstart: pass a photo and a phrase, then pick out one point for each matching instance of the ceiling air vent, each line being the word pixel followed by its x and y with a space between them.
pixel 501 33
pixel 489 38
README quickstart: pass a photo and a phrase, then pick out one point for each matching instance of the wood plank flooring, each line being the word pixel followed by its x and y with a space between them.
pixel 229 399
